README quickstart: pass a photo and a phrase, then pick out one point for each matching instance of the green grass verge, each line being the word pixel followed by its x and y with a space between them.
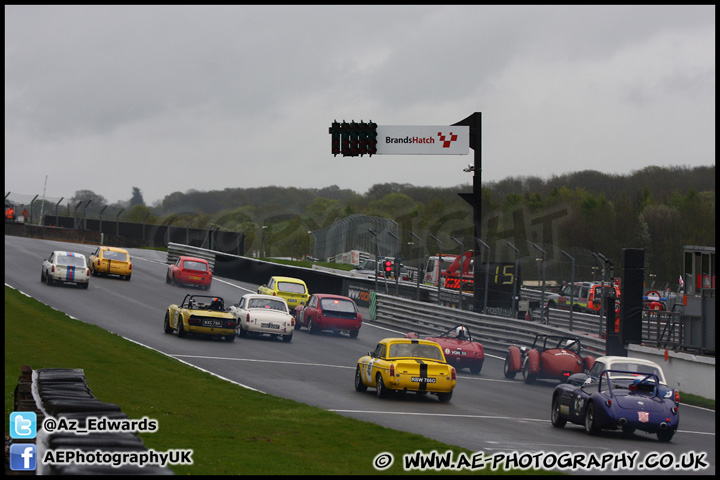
pixel 308 264
pixel 230 429
pixel 690 399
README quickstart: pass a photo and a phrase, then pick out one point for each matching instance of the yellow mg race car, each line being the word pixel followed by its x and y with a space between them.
pixel 406 365
pixel 111 261
pixel 201 315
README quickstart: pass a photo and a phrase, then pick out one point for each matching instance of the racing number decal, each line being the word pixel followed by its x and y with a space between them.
pixel 368 372
pixel 578 405
pixel 507 277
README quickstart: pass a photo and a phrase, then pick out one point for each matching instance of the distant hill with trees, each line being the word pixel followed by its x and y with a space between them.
pixel 659 209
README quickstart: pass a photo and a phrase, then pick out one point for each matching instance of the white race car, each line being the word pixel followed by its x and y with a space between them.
pixel 258 314
pixel 66 267
pixel 627 364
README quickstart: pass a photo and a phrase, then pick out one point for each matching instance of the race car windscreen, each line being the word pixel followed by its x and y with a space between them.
pixel 113 255
pixel 271 304
pixel 336 305
pixel 634 367
pixel 399 350
pixel 70 261
pixel 291 287
pixel 191 265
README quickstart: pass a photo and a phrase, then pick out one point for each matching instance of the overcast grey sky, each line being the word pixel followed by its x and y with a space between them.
pixel 173 98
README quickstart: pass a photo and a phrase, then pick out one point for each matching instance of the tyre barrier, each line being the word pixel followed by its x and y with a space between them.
pixel 63 393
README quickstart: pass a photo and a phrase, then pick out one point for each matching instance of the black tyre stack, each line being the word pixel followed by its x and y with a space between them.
pixel 63 394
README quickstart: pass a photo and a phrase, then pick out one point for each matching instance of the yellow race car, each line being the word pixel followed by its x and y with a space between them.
pixel 293 290
pixel 201 315
pixel 406 365
pixel 111 261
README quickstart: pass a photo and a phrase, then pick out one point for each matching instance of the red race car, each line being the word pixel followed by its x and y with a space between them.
pixel 324 311
pixel 190 271
pixel 460 350
pixel 553 357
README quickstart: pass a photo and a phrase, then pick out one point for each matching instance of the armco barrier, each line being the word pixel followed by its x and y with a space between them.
pixel 425 317
pixel 63 393
pixel 690 373
pixel 495 333
pixel 176 250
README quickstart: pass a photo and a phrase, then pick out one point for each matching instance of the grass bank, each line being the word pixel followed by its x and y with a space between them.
pixel 231 430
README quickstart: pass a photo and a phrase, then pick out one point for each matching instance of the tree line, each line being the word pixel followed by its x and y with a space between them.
pixel 581 214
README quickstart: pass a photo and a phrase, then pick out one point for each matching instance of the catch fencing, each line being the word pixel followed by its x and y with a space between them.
pixel 495 333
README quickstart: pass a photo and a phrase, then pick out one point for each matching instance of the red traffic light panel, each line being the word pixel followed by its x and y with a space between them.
pixel 352 139
pixel 345 134
pixel 335 132
pixel 372 138
pixel 388 266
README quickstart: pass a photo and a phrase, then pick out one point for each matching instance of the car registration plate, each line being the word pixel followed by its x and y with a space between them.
pixel 212 323
pixel 194 278
pixel 270 325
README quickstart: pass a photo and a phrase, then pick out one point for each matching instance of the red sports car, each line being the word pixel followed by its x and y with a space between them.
pixel 324 311
pixel 553 357
pixel 190 271
pixel 460 350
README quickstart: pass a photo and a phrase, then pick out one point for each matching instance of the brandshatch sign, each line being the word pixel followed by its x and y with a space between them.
pixel 423 140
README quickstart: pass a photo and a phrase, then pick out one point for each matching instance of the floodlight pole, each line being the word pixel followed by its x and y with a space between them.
pixel 542 295
pixel 377 258
pixel 117 222
pixel 395 262
pixel 100 215
pixel 603 261
pixel 517 261
pixel 439 264
pixel 572 285
pixel 487 272
pixel 57 218
pixel 462 270
pixel 31 209
pixel 417 287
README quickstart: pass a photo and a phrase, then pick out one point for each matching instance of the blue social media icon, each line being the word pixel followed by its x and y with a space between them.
pixel 23 457
pixel 23 425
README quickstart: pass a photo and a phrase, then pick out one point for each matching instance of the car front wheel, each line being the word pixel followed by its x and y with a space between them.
pixel 166 324
pixel 506 368
pixel 555 418
pixel 529 377
pixel 359 385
